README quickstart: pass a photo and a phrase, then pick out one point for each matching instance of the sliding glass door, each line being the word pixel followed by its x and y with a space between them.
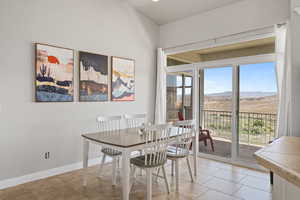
pixel 234 105
pixel 238 108
pixel 216 110
pixel 257 107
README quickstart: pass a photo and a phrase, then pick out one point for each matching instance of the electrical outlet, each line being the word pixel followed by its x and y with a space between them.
pixel 47 155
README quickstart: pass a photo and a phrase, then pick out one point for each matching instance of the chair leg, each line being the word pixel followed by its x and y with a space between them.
pixel 190 169
pixel 118 163
pixel 132 176
pixel 157 174
pixel 141 170
pixel 212 144
pixel 133 171
pixel 205 142
pixel 114 174
pixel 166 180
pixel 149 183
pixel 272 178
pixel 172 169
pixel 177 174
pixel 101 165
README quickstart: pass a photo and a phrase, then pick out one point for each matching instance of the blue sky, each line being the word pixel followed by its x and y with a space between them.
pixel 253 78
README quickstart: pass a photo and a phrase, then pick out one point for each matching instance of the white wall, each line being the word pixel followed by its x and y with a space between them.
pixel 295 32
pixel 243 16
pixel 28 129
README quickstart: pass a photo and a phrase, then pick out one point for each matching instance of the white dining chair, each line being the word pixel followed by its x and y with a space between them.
pixel 157 140
pixel 181 149
pixel 135 120
pixel 108 125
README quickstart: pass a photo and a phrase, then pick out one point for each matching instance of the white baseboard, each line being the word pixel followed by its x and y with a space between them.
pixel 46 173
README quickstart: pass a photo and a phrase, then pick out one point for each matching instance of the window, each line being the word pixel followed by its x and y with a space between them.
pixel 179 95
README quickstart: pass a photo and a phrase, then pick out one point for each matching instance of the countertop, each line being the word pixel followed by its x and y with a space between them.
pixel 282 157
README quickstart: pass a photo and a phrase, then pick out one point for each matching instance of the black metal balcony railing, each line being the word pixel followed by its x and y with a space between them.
pixel 254 128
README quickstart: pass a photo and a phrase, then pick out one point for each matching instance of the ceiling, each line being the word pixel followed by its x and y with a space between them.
pixel 165 11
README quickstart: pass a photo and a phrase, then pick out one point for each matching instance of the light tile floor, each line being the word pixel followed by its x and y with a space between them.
pixel 216 181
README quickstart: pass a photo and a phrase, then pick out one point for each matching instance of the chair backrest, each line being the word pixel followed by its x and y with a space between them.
pixel 185 131
pixel 134 121
pixel 157 139
pixel 110 123
pixel 180 116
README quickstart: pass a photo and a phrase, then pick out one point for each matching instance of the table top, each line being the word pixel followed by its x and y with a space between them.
pixel 124 138
pixel 283 158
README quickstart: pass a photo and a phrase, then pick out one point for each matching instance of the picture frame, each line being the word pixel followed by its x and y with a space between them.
pixel 54 73
pixel 122 79
pixel 93 77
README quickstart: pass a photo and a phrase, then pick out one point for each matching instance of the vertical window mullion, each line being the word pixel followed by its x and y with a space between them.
pixel 183 94
pixel 235 112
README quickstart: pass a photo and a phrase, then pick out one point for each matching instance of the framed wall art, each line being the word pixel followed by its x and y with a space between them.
pixel 93 77
pixel 123 79
pixel 54 73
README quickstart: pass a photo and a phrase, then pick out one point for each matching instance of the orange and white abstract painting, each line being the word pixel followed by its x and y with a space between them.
pixel 54 74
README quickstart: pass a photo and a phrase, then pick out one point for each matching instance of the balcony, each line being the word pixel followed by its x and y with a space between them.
pixel 255 131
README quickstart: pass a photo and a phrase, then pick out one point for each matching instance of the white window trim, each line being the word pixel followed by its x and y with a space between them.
pixel 222 41
pixel 222 63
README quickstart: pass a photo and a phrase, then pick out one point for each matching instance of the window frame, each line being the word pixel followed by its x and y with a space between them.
pixel 182 87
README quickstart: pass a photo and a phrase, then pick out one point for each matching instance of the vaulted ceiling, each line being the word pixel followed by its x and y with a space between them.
pixel 165 11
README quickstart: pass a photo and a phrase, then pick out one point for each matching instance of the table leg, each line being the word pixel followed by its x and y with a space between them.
pixel 195 154
pixel 86 145
pixel 125 174
pixel 149 183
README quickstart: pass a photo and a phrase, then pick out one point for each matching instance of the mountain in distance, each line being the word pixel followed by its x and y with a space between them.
pixel 92 75
pixel 244 95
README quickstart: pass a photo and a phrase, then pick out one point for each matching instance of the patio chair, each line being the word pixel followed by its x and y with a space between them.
pixel 204 134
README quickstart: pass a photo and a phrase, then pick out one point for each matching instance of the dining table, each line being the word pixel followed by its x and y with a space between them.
pixel 126 141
